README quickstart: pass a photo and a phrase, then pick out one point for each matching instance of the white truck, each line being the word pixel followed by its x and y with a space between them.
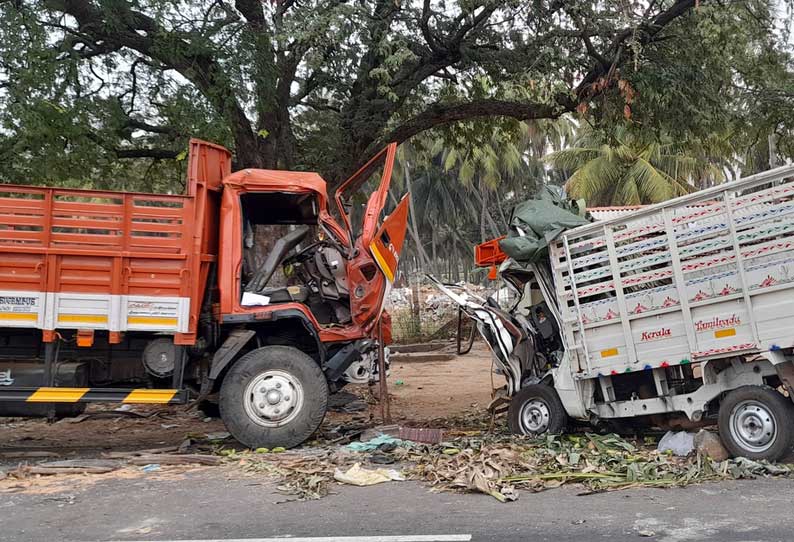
pixel 675 315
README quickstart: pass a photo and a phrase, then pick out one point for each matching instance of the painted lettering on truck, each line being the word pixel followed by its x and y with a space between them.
pixel 657 334
pixel 717 323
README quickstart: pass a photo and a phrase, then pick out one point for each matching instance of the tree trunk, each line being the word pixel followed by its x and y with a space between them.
pixel 505 222
pixel 415 306
pixel 412 218
pixel 483 211
pixel 434 241
pixel 486 220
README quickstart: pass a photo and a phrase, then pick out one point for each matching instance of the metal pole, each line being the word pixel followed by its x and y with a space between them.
pixel 385 411
pixel 460 328
pixel 50 358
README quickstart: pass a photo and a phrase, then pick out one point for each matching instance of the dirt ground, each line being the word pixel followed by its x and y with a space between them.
pixel 439 389
pixel 420 393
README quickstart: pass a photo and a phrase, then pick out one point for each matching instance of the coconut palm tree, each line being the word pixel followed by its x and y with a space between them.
pixel 505 165
pixel 463 186
pixel 624 167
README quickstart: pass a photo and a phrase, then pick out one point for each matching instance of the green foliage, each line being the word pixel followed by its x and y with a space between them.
pixel 627 167
pixel 721 75
pixel 467 178
pixel 113 89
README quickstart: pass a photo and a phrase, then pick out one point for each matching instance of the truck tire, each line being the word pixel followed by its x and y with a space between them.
pixel 274 396
pixel 536 410
pixel 756 422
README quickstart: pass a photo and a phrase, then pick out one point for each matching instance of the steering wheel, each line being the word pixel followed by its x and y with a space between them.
pixel 301 254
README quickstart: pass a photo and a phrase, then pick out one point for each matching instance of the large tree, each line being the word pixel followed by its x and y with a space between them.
pixel 317 84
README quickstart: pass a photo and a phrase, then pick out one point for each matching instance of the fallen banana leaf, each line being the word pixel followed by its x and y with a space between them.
pixel 496 464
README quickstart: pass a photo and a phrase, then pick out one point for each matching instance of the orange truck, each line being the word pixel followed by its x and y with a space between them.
pixel 142 298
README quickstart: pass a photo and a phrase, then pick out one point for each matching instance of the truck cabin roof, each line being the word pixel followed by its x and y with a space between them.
pixel 272 180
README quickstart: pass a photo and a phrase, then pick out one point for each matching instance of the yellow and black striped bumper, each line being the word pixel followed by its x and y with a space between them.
pixel 92 395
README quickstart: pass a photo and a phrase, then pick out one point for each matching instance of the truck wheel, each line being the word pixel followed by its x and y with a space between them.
pixel 535 410
pixel 273 396
pixel 756 422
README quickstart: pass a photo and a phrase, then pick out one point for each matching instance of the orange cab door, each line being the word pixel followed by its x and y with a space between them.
pixel 376 251
pixel 387 243
pixel 372 270
pixel 377 200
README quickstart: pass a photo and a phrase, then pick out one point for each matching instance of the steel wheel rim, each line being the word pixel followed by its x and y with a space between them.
pixel 753 426
pixel 535 416
pixel 273 398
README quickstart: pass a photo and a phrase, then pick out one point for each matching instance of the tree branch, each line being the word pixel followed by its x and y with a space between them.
pixel 140 125
pixel 439 114
pixel 157 154
pixel 585 36
pixel 139 32
pixel 424 25
pixel 645 32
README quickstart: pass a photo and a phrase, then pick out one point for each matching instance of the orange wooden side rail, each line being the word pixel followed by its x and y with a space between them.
pixel 115 261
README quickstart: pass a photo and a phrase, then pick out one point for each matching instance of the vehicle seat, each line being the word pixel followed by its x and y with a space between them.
pixel 281 248
pixel 287 294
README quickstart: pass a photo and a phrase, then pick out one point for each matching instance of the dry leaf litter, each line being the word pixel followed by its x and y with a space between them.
pixel 499 465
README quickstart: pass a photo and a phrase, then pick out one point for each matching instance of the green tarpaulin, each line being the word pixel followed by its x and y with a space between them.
pixel 536 222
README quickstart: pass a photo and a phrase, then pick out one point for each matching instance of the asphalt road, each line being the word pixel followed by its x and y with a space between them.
pixel 217 504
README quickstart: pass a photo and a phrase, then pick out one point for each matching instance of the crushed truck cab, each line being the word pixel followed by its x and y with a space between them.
pixel 246 288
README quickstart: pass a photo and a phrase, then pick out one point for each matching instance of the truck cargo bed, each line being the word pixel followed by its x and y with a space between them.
pixel 702 276
pixel 102 260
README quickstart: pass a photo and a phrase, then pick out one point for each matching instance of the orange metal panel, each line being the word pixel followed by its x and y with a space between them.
pixel 489 253
pixel 19 219
pixel 84 274
pixel 22 272
pixel 60 240
pixel 156 277
pixel 9 236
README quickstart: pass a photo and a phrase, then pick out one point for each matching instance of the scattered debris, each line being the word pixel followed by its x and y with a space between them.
pixel 499 465
pixel 358 476
pixel 220 435
pixel 72 466
pixel 29 454
pixel 135 453
pixel 708 443
pixel 646 533
pixel 346 402
pixel 479 470
pixel 598 462
pixel 373 444
pixel 176 459
pixel 369 434
pixel 307 475
pixel 151 467
pixel 381 458
pixel 680 443
pixel 422 434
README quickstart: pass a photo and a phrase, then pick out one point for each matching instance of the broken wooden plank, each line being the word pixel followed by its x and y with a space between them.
pixel 176 459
